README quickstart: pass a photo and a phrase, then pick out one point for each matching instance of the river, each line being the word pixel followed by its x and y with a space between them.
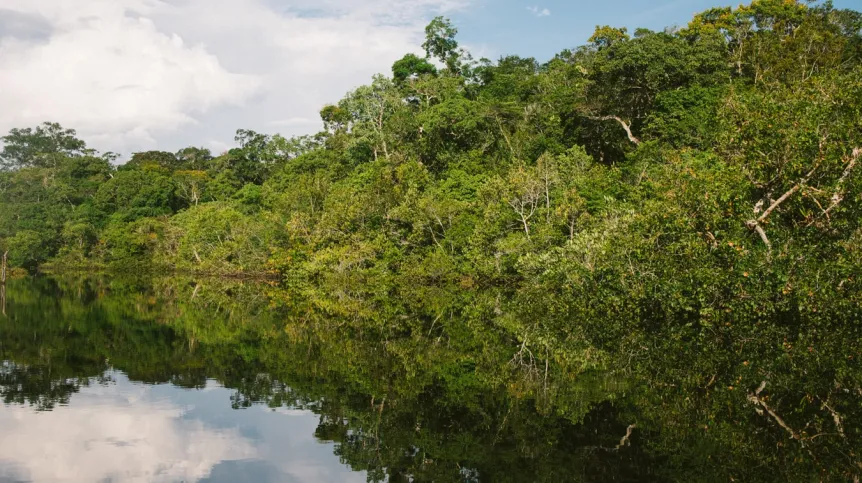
pixel 183 379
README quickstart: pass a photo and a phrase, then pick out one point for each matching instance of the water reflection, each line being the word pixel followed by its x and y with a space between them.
pixel 120 431
pixel 179 379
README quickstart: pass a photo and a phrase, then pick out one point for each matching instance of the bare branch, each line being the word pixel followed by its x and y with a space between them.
pixel 838 196
pixel 756 399
pixel 503 132
pixel 787 195
pixel 624 124
pixel 756 225
pixel 836 418
pixel 624 441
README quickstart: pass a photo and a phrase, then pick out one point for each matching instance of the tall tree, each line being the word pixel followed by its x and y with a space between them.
pixel 42 147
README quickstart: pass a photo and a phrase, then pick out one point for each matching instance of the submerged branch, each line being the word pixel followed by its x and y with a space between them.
pixel 624 441
pixel 836 418
pixel 758 401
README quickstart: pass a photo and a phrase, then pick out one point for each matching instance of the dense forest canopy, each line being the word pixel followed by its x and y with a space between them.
pixel 742 127
pixel 683 203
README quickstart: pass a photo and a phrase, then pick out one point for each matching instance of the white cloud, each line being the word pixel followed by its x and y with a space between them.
pixel 295 121
pixel 113 437
pixel 141 74
pixel 539 12
pixel 109 74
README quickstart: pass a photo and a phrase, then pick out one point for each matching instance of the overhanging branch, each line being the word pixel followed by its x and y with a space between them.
pixel 838 196
pixel 624 124
pixel 757 224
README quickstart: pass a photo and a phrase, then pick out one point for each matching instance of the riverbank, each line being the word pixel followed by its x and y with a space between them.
pixel 148 270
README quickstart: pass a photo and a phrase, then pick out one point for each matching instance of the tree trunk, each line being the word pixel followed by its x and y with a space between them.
pixel 3 284
pixel 3 268
pixel 624 124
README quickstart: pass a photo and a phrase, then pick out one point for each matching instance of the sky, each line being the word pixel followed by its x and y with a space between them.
pixel 137 75
pixel 127 432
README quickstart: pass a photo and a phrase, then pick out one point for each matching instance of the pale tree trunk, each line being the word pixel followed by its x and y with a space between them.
pixel 525 209
pixel 3 283
pixel 838 195
pixel 3 267
pixel 626 126
pixel 757 224
pixel 505 137
pixel 380 128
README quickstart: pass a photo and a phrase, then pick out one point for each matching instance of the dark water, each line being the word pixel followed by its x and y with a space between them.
pixel 198 380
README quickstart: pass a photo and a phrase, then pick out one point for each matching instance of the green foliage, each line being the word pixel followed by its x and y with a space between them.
pixel 250 196
pixel 686 117
pixel 440 43
pixel 29 248
pixel 133 241
pixel 78 239
pixel 194 159
pixel 410 65
pixel 607 36
pixel 41 147
pixel 137 193
pixel 153 159
pixel 217 237
pixel 456 124
pixel 334 118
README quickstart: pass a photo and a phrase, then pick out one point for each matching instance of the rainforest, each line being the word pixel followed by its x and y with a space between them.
pixel 654 236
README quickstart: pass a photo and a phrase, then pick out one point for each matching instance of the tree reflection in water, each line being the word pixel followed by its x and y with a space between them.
pixel 422 385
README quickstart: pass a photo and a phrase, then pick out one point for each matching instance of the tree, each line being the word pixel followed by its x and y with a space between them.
pixel 191 185
pixel 79 238
pixel 138 193
pixel 409 66
pixel 523 192
pixel 368 109
pixel 334 118
pixel 608 36
pixel 194 159
pixel 257 156
pixel 625 77
pixel 29 248
pixel 160 159
pixel 440 44
pixel 42 147
pixel 799 152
